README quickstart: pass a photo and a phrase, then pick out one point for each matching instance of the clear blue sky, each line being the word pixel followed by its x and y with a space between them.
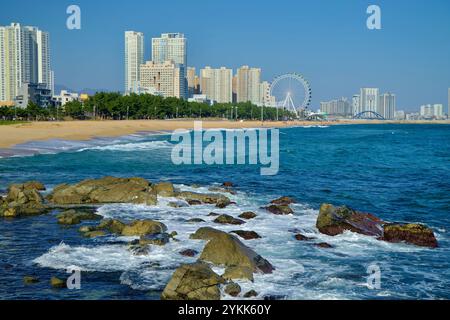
pixel 325 40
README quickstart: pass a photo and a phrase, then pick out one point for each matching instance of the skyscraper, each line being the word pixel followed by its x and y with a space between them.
pixel 217 84
pixel 165 78
pixel 248 84
pixel 387 106
pixel 24 58
pixel 134 58
pixel 191 81
pixel 369 99
pixel 356 104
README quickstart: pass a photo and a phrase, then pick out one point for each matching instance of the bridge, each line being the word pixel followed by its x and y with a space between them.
pixel 369 115
pixel 316 117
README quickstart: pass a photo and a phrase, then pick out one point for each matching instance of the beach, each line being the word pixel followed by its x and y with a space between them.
pixel 12 135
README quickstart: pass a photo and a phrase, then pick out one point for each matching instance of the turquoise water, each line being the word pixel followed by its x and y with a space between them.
pixel 397 172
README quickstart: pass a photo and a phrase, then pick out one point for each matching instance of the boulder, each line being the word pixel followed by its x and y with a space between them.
pixel 202 197
pixel 36 185
pixel 324 245
pixel 195 220
pixel 111 225
pixel 143 228
pixel 251 294
pixel 301 237
pixel 284 201
pixel 279 209
pixel 335 220
pixel 189 253
pixel 224 249
pixel 165 189
pixel 233 289
pixel 72 217
pixel 228 184
pixel 247 235
pixel 23 200
pixel 222 190
pixel 223 203
pixel 159 239
pixel 177 204
pixel 193 282
pixel 105 190
pixel 193 202
pixel 94 234
pixel 227 219
pixel 248 215
pixel 416 234
pixel 213 214
pixel 238 273
pixel 139 250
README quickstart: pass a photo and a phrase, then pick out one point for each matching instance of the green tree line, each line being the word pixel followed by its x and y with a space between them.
pixel 114 106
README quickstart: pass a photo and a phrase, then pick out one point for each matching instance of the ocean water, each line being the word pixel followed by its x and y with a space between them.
pixel 397 172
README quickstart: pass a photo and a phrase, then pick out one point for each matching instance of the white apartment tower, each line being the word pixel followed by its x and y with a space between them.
pixel 248 85
pixel 24 58
pixel 356 105
pixel 369 99
pixel 217 84
pixel 165 78
pixel 387 106
pixel 134 58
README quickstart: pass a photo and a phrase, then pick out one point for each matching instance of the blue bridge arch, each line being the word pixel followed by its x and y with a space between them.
pixel 369 115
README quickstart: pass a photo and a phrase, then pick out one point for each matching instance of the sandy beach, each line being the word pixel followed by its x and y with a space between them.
pixel 11 135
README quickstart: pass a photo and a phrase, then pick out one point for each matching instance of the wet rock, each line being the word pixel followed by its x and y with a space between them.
pixel 195 220
pixel 139 250
pixel 224 249
pixel 238 273
pixel 192 202
pixel 30 280
pixel 335 220
pixel 222 190
pixel 72 217
pixel 233 289
pixel 94 234
pixel 189 253
pixel 111 225
pixel 173 234
pixel 105 190
pixel 165 189
pixel 193 282
pixel 279 209
pixel 57 283
pixel 227 219
pixel 143 228
pixel 247 235
pixel 228 184
pixel 251 294
pixel 178 204
pixel 22 200
pixel 324 245
pixel 223 203
pixel 301 237
pixel 202 197
pixel 284 201
pixel 416 234
pixel 159 239
pixel 213 214
pixel 248 215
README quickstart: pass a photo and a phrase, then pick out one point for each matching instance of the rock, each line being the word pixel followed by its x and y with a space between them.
pixel 224 249
pixel 284 201
pixel 335 220
pixel 228 184
pixel 301 237
pixel 238 273
pixel 94 234
pixel 251 294
pixel 30 280
pixel 178 204
pixel 72 217
pixel 57 283
pixel 324 245
pixel 173 234
pixel 416 234
pixel 213 214
pixel 247 235
pixel 105 190
pixel 139 250
pixel 248 215
pixel 222 190
pixel 36 185
pixel 23 200
pixel 227 219
pixel 165 189
pixel 159 239
pixel 193 282
pixel 202 197
pixel 192 202
pixel 143 228
pixel 195 220
pixel 111 225
pixel 189 253
pixel 233 289
pixel 223 203
pixel 85 229
pixel 279 209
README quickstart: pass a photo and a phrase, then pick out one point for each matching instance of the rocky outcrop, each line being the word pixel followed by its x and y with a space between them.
pixel 165 189
pixel 300 237
pixel 72 217
pixel 105 190
pixel 279 209
pixel 111 225
pixel 223 203
pixel 284 201
pixel 238 273
pixel 193 282
pixel 416 234
pixel 195 220
pixel 224 249
pixel 247 235
pixel 324 245
pixel 248 215
pixel 189 253
pixel 227 219
pixel 143 228
pixel 233 289
pixel 23 200
pixel 158 239
pixel 251 294
pixel 335 220
pixel 203 198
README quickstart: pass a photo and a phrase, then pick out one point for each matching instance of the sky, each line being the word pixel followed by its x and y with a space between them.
pixel 327 41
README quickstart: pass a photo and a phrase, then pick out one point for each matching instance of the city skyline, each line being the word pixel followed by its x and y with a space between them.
pixel 402 59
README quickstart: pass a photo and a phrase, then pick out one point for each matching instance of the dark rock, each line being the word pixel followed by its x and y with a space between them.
pixel 159 239
pixel 189 253
pixel 227 219
pixel 251 294
pixel 233 289
pixel 139 250
pixel 178 204
pixel 248 215
pixel 247 235
pixel 193 202
pixel 223 203
pixel 228 184
pixel 195 220
pixel 416 234
pixel 193 282
pixel 284 201
pixel 72 217
pixel 324 245
pixel 301 237
pixel 202 197
pixel 279 209
pixel 213 214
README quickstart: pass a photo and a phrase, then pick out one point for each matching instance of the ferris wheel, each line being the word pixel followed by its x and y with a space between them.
pixel 290 91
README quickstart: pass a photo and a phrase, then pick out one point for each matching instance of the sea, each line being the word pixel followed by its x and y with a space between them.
pixel 400 173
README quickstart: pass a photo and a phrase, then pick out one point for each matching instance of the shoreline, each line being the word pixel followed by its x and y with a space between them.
pixel 13 135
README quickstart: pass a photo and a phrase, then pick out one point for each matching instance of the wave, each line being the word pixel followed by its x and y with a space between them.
pixel 128 147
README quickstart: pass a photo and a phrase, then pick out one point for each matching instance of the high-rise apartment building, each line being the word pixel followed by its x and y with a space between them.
pixel 265 98
pixel 191 78
pixel 217 84
pixel 165 78
pixel 134 58
pixel 429 111
pixel 369 99
pixel 248 84
pixel 338 107
pixel 387 106
pixel 356 104
pixel 24 59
